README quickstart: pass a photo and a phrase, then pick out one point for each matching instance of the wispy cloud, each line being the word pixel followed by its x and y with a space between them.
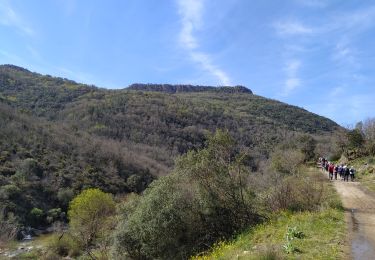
pixel 292 80
pixel 345 54
pixel 190 12
pixel 9 17
pixel 287 28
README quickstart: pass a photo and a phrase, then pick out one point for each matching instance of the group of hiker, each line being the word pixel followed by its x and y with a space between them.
pixel 344 171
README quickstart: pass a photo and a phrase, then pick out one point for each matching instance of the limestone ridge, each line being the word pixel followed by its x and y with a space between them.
pixel 169 88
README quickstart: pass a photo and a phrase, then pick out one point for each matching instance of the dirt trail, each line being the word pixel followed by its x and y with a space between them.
pixel 360 214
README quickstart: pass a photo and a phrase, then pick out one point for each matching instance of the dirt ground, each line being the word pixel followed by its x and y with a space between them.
pixel 360 214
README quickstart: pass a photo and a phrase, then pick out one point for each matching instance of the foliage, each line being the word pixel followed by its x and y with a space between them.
pixel 322 230
pixel 296 193
pixel 290 235
pixel 64 245
pixel 58 137
pixel 90 218
pixel 355 138
pixel 205 199
pixel 287 161
pixel 43 165
pixel 36 217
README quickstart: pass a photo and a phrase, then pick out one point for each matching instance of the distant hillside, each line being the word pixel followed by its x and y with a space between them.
pixel 167 88
pixel 81 136
pixel 170 119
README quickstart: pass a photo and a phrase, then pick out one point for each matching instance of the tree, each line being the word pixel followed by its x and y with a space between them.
pixel 8 227
pixel 307 145
pixel 355 138
pixel 205 198
pixel 36 217
pixel 90 218
pixel 287 161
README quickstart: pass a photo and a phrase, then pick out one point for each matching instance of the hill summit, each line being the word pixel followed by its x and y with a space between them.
pixel 169 88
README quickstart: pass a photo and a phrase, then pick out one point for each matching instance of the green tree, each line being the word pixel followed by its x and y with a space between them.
pixel 205 199
pixel 355 138
pixel 36 217
pixel 307 145
pixel 90 218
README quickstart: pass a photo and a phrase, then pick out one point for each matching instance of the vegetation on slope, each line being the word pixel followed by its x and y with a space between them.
pixel 58 138
pixel 358 149
pixel 318 234
pixel 43 165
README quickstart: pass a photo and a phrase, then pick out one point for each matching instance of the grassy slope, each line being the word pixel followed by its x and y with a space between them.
pixel 325 233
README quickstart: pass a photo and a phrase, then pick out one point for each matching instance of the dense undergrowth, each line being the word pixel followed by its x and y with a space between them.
pixel 322 234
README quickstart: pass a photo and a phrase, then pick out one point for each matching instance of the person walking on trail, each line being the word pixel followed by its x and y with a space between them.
pixel 331 169
pixel 351 173
pixel 340 171
pixel 346 173
pixel 336 169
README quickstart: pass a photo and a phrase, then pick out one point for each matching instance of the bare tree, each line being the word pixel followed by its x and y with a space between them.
pixel 8 227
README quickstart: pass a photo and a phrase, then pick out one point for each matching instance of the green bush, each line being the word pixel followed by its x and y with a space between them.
pixel 65 195
pixel 64 245
pixel 205 199
pixel 90 218
pixel 287 161
pixel 36 217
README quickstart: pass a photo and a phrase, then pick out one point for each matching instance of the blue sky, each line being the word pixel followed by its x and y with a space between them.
pixel 315 54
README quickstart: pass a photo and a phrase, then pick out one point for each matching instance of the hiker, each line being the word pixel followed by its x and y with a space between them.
pixel 351 173
pixel 340 170
pixel 320 162
pixel 336 169
pixel 331 169
pixel 346 173
pixel 323 163
pixel 326 166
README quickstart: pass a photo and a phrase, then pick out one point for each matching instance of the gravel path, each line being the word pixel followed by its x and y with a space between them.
pixel 360 214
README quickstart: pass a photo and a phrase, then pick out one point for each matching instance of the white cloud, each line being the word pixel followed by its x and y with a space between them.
pixel 8 17
pixel 292 80
pixel 345 54
pixel 191 12
pixel 204 60
pixel 285 28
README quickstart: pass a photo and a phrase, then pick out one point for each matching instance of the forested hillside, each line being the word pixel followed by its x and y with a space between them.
pixel 58 137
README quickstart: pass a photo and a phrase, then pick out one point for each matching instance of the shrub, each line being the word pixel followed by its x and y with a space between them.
pixel 64 245
pixel 287 161
pixel 205 199
pixel 65 196
pixel 36 217
pixel 295 193
pixel 90 217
